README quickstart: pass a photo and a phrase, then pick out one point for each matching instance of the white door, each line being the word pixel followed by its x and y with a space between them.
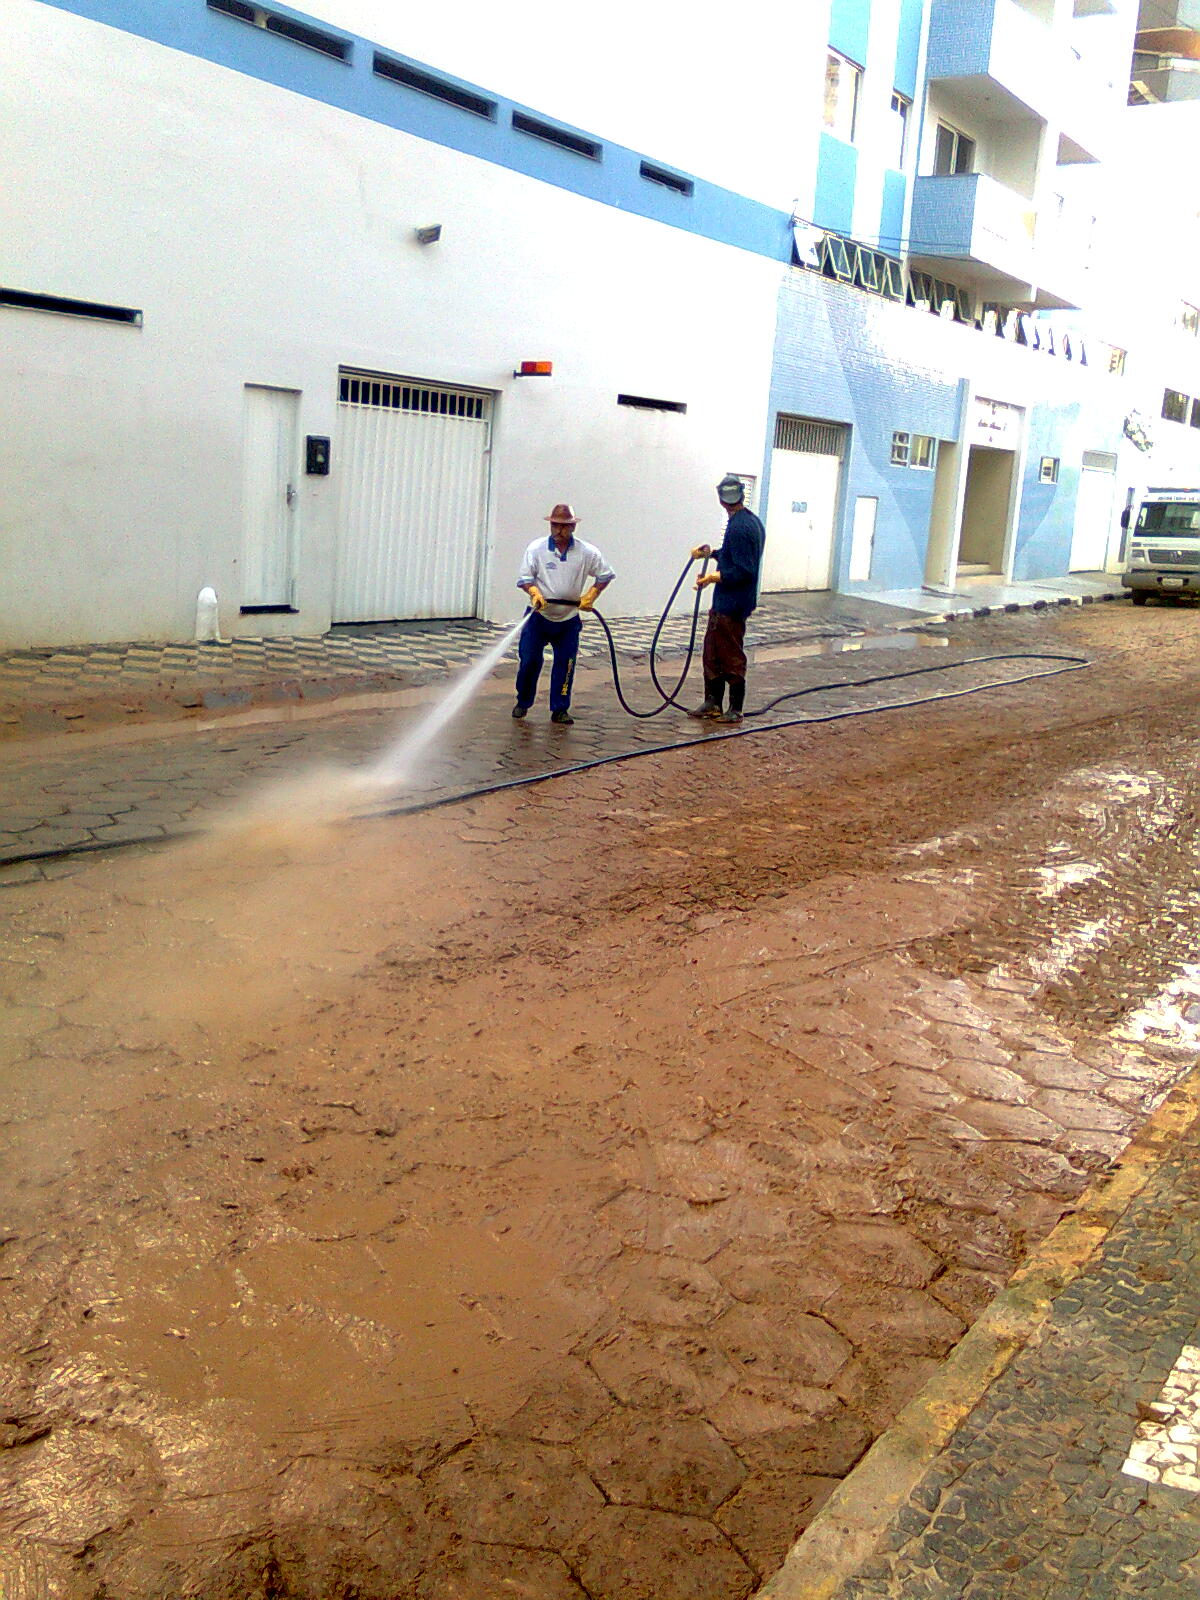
pixel 269 495
pixel 801 514
pixel 1093 518
pixel 412 466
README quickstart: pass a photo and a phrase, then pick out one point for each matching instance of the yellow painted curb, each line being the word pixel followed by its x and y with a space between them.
pixel 848 1529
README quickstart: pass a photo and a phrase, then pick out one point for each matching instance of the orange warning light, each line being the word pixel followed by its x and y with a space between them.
pixel 534 369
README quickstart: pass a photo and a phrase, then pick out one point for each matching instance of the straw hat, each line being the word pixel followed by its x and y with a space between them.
pixel 562 513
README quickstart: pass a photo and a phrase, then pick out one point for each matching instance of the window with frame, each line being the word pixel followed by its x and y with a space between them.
pixel 843 83
pixel 1189 319
pixel 1048 472
pixel 1175 405
pixel 900 444
pixel 954 152
pixel 1116 361
pixel 898 124
pixel 923 452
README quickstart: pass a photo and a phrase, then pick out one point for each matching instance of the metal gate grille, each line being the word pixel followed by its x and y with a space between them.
pixel 412 501
pixel 811 438
pixel 391 396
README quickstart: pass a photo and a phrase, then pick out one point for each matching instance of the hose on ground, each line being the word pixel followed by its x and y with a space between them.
pixel 711 733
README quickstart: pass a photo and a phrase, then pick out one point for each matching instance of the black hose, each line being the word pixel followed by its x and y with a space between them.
pixel 1072 664
pixel 668 698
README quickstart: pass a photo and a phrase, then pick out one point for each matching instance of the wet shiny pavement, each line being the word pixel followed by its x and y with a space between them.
pixel 109 790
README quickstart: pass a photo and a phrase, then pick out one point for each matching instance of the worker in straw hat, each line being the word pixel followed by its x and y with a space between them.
pixel 562 576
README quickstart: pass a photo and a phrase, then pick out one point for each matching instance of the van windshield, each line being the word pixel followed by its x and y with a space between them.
pixel 1172 518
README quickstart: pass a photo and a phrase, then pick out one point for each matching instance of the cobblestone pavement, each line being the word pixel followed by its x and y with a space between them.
pixel 89 794
pixel 555 1195
pixel 1036 1496
pixel 55 689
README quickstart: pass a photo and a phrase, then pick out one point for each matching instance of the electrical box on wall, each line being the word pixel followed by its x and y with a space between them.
pixel 316 460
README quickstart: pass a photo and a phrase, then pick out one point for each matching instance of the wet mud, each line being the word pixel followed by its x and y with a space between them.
pixel 554 1196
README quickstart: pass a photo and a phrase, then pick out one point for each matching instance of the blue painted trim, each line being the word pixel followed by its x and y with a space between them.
pixel 891 216
pixel 908 48
pixel 849 28
pixel 710 212
pixel 837 171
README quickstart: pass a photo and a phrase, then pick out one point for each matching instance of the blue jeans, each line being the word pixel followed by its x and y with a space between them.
pixel 563 639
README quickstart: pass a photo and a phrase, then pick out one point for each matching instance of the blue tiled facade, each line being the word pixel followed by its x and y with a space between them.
pixel 960 39
pixel 836 361
pixel 832 364
pixel 908 46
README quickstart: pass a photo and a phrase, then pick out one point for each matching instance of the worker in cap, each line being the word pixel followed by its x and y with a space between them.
pixel 734 597
pixel 562 576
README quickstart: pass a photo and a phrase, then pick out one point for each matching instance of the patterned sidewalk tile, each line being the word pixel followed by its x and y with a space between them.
pixel 408 650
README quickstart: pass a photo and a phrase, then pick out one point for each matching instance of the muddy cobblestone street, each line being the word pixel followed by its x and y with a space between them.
pixel 556 1194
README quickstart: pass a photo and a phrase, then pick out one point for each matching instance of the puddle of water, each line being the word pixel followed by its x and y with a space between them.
pixel 1066 876
pixel 1172 1016
pixel 841 647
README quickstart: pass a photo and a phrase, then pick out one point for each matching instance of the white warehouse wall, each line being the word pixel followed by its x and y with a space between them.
pixel 736 100
pixel 268 239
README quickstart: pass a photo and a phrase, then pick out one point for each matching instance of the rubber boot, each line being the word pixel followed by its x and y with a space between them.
pixel 737 699
pixel 714 693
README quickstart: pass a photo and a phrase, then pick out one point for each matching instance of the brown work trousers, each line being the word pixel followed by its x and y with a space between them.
pixel 724 655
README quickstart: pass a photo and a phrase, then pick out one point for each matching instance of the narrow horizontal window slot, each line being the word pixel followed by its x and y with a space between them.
pixel 667 180
pixel 641 402
pixel 286 27
pixel 70 308
pixel 546 131
pixel 436 88
pixel 268 611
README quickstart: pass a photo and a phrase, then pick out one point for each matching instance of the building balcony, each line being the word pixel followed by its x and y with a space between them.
pixel 1000 247
pixel 972 219
pixel 1003 63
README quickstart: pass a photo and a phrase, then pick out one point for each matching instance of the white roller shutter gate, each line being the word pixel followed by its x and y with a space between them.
pixel 412 465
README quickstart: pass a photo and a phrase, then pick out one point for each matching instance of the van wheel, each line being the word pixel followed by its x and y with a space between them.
pixel 1139 596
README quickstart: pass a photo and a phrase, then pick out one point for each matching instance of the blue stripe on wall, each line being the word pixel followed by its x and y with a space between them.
pixel 891 215
pixel 710 212
pixel 837 169
pixel 908 46
pixel 849 25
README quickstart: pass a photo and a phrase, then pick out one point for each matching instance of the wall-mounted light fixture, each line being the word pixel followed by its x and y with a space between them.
pixel 534 369
pixel 429 235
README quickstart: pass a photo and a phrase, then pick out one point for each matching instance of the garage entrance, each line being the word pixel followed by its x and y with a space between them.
pixel 806 467
pixel 412 465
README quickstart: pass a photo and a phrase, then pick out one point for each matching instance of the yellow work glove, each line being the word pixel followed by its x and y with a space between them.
pixel 701 550
pixel 706 578
pixel 588 600
pixel 536 598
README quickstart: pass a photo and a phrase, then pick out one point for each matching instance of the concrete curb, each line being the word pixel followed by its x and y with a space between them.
pixel 850 1526
pixel 1051 603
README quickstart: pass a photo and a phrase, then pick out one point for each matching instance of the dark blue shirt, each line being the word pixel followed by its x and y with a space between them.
pixel 739 561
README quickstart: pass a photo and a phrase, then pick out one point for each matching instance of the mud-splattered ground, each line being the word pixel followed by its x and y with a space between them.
pixel 554 1196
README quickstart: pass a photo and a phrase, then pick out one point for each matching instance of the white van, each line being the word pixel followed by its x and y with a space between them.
pixel 1164 549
